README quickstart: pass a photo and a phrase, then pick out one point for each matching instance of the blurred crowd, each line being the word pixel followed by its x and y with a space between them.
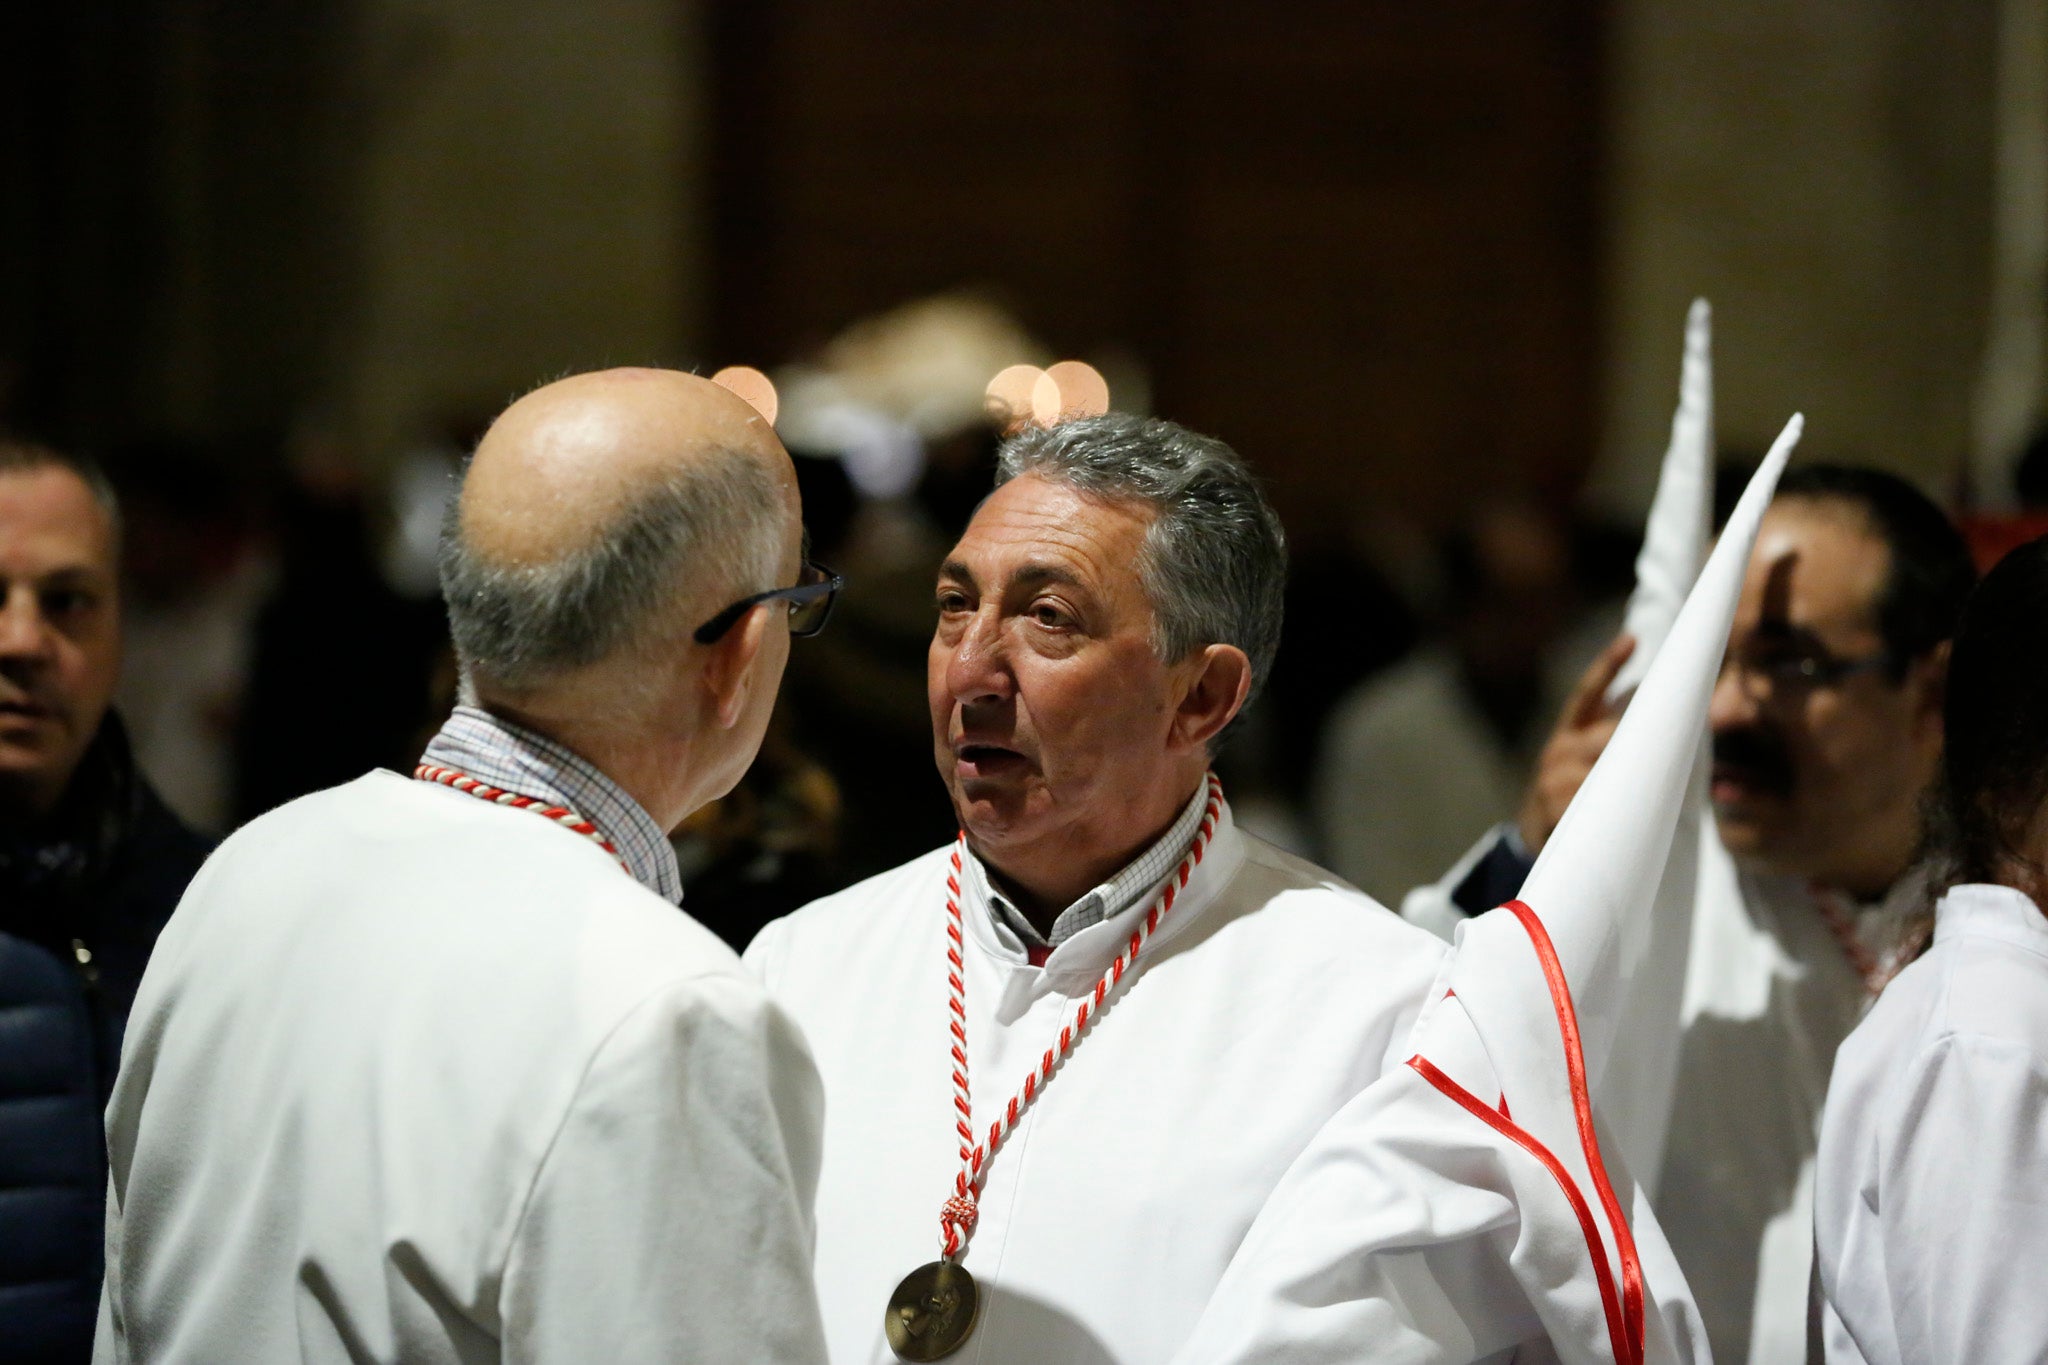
pixel 279 596
pixel 280 632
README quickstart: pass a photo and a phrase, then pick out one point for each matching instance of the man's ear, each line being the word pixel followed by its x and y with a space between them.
pixel 1933 681
pixel 729 666
pixel 1220 680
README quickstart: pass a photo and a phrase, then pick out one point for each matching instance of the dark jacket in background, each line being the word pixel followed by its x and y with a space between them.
pixel 82 898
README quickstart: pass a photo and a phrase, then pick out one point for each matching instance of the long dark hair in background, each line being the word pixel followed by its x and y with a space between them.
pixel 1994 775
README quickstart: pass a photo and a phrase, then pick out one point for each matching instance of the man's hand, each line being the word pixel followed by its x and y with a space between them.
pixel 1578 740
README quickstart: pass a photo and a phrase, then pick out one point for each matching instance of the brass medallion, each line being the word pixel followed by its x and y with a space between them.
pixel 932 1312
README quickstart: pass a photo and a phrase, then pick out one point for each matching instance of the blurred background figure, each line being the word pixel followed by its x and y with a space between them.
pixel 1417 758
pixel 1934 1145
pixel 91 865
pixel 195 572
pixel 341 663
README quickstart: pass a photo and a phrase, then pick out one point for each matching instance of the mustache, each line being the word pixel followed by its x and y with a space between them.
pixel 1759 754
pixel 23 682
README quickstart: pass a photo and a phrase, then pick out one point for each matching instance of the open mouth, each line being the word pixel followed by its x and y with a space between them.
pixel 1742 781
pixel 986 760
pixel 26 710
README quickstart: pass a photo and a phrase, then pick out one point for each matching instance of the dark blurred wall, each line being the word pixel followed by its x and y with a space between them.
pixel 313 242
pixel 1395 251
pixel 1823 172
pixel 369 217
pixel 1357 239
pixel 178 251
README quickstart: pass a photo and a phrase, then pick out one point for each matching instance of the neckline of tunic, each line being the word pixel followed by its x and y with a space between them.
pixel 1077 964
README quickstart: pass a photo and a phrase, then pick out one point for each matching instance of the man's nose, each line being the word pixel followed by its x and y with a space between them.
pixel 979 669
pixel 1733 704
pixel 24 631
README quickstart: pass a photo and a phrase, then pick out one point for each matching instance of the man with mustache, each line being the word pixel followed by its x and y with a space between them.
pixel 91 864
pixel 1067 1059
pixel 1826 730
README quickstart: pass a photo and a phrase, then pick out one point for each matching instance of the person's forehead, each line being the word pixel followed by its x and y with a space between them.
pixel 1032 522
pixel 49 519
pixel 1816 564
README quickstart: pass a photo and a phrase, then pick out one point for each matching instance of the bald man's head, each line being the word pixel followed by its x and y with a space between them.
pixel 600 512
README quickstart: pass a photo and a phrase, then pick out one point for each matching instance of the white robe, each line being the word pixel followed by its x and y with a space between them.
pixel 416 1077
pixel 1270 996
pixel 1768 996
pixel 1407 1232
pixel 1932 1218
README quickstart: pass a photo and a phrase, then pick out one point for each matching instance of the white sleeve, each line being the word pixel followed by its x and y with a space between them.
pixel 1962 1203
pixel 1365 1250
pixel 110 1337
pixel 671 1218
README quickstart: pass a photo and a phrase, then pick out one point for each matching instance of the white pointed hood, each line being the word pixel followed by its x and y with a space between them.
pixel 1681 514
pixel 1637 1083
pixel 1591 882
pixel 1544 986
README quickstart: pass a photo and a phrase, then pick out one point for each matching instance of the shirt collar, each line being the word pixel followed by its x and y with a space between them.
pixel 1106 901
pixel 510 756
pixel 1999 911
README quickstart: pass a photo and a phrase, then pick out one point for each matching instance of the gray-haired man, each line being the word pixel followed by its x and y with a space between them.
pixel 431 1068
pixel 1075 1052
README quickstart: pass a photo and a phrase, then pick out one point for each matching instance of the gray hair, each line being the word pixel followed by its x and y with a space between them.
pixel 22 457
pixel 1214 561
pixel 708 529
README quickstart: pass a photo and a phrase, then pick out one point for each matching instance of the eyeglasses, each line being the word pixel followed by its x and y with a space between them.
pixel 1796 672
pixel 810 604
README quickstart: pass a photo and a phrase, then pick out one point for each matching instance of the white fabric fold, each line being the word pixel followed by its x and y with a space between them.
pixel 1681 514
pixel 1636 1089
pixel 1397 1234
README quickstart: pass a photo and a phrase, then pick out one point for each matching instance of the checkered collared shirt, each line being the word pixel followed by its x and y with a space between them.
pixel 506 755
pixel 1108 900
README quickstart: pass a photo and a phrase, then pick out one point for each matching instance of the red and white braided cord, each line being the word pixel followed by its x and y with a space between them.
pixel 1875 974
pixel 961 1211
pixel 561 815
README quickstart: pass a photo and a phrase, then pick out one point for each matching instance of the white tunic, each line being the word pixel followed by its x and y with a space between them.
pixel 1932 1208
pixel 1768 996
pixel 1409 1232
pixel 415 1077
pixel 1268 998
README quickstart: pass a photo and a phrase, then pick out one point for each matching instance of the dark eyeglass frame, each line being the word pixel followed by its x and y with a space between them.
pixel 1805 672
pixel 822 583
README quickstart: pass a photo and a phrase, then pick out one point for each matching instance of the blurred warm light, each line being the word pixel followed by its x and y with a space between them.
pixel 1045 400
pixel 1079 391
pixel 1013 395
pixel 926 364
pixel 750 384
pixel 1025 393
